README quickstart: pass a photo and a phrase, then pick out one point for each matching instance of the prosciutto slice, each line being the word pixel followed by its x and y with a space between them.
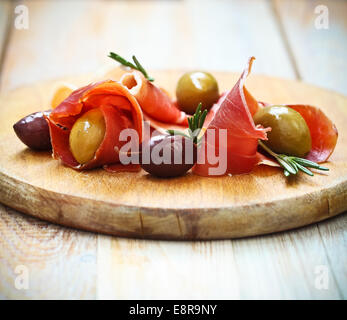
pixel 155 102
pixel 234 114
pixel 323 132
pixel 120 110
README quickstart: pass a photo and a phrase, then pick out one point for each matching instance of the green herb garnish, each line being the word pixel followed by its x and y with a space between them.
pixel 195 125
pixel 136 66
pixel 292 165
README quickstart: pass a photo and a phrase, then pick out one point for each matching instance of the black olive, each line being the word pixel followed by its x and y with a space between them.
pixel 33 131
pixel 168 156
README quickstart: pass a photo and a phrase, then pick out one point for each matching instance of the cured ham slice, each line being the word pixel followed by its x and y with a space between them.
pixel 234 115
pixel 155 102
pixel 162 127
pixel 323 132
pixel 212 112
pixel 120 110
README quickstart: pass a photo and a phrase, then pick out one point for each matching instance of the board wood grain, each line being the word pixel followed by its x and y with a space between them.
pixel 277 266
pixel 60 262
pixel 189 207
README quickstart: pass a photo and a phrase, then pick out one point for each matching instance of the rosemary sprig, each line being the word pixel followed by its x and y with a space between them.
pixel 195 125
pixel 292 165
pixel 136 66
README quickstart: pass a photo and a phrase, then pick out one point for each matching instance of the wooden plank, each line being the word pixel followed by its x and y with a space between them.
pixel 280 266
pixel 69 38
pixel 5 14
pixel 320 58
pixel 334 237
pixel 60 262
pixel 320 54
pixel 56 29
pixel 5 25
pixel 225 32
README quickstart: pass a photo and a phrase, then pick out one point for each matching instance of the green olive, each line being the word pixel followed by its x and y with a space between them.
pixel 289 135
pixel 86 135
pixel 195 87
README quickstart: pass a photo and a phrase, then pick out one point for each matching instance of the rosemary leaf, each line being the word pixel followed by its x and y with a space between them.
pixel 177 133
pixel 286 165
pixel 310 164
pixel 291 164
pixel 195 124
pixel 136 66
pixel 121 60
pixel 303 169
pixel 202 119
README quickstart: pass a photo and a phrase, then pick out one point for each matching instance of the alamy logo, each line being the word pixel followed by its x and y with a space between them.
pixel 164 153
pixel 321 281
pixel 322 20
pixel 21 281
pixel 21 20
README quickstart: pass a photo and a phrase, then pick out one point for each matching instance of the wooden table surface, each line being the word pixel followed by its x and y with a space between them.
pixel 73 37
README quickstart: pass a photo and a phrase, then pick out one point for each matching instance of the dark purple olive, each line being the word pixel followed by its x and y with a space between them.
pixel 168 156
pixel 33 131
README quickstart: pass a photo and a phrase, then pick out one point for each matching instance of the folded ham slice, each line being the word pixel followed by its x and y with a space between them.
pixel 234 114
pixel 155 102
pixel 323 132
pixel 120 110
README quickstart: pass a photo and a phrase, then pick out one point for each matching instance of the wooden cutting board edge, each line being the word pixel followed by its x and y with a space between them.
pixel 187 224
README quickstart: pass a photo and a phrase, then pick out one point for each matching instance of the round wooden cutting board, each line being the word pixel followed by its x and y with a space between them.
pixel 189 207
